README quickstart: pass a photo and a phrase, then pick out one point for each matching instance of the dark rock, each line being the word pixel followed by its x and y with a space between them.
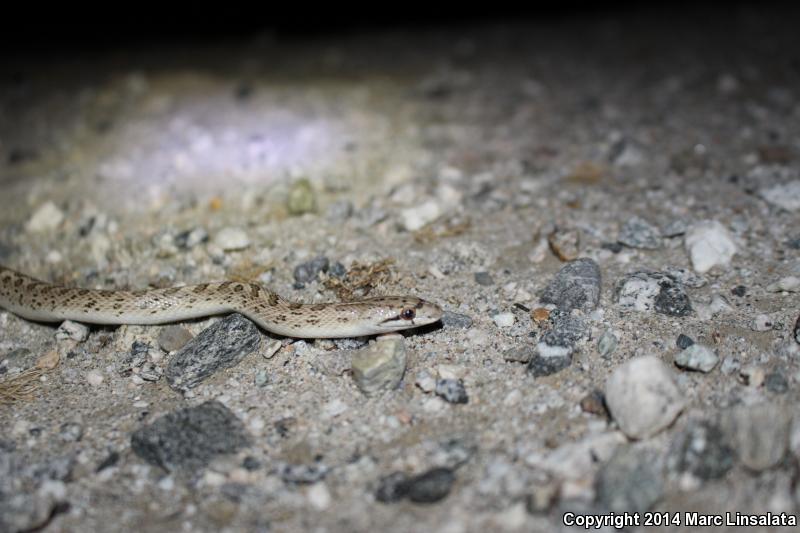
pixel 173 338
pixel 672 300
pixel 638 233
pixel 392 488
pixel 797 330
pixel 684 341
pixel 452 390
pixel 794 243
pixel 188 439
pixel 308 271
pixel 111 460
pixel 222 345
pixel 701 450
pixel 431 486
pixel 519 354
pixel 133 359
pixel 575 286
pixel 337 270
pixel 456 320
pixel 776 382
pixel 301 473
pixel 546 365
pixel 250 463
pixel 613 247
pixel 739 290
pixel 566 330
pixel 483 278
pixel 630 481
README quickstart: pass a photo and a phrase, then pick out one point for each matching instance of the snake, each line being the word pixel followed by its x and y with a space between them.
pixel 40 301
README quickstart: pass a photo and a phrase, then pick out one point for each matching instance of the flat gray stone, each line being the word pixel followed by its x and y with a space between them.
pixel 575 286
pixel 697 357
pixel 759 433
pixel 380 366
pixel 220 346
pixel 631 481
pixel 188 439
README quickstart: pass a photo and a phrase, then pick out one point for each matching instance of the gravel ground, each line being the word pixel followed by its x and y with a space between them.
pixel 608 210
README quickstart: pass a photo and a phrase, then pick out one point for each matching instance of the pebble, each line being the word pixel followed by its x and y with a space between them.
pixel 392 488
pixel 483 278
pixel 759 433
pixel 504 320
pixel 607 343
pixel 752 376
pixel 761 323
pixel 787 284
pixel 631 481
pixel 425 381
pixel 785 196
pixel 94 378
pixel 638 233
pixel 683 341
pixel 431 486
pixel 261 378
pixel 70 432
pixel 519 354
pixel 219 346
pixel 565 243
pixel 642 397
pixel 69 330
pixel 456 320
pixel 334 408
pixel 646 291
pixel 545 363
pixel 188 439
pixel 188 239
pixel 379 367
pixel 739 290
pixel 701 450
pixel 415 218
pixel 308 271
pixel 776 382
pixel 271 349
pixel 46 218
pixel 576 286
pixel 554 350
pixel 174 337
pixel 232 239
pixel 452 390
pixel 319 496
pixel 301 198
pixel 697 357
pixel 709 244
pixel 594 403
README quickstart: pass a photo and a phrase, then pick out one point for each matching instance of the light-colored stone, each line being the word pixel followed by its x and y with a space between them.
pixel 380 366
pixel 415 218
pixel 504 320
pixel 787 284
pixel 232 239
pixel 46 218
pixel 69 330
pixel 642 397
pixel 709 244
pixel 94 378
pixel 697 357
pixel 785 196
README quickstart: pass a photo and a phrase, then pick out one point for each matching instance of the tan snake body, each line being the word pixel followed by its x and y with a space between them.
pixel 37 300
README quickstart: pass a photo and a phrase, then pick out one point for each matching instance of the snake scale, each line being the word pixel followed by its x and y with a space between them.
pixel 37 300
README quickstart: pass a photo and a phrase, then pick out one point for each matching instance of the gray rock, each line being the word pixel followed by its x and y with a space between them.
pixel 452 390
pixel 683 341
pixel 431 486
pixel 456 320
pixel 308 271
pixel 555 348
pixel 545 365
pixel 631 481
pixel 761 323
pixel 70 432
pixel 642 397
pixel 340 210
pixel 759 433
pixel 232 239
pixel 190 238
pixel 483 278
pixel 173 338
pixel 261 378
pixel 776 382
pixel 380 366
pixel 69 330
pixel 133 360
pixel 607 343
pixel 188 439
pixel 222 345
pixel 392 488
pixel 697 357
pixel 576 286
pixel 786 195
pixel 638 233
pixel 653 291
pixel 519 354
pixel 701 450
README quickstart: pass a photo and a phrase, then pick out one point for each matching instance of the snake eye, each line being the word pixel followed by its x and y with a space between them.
pixel 408 314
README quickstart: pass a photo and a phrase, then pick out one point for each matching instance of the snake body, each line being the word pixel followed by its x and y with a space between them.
pixel 37 300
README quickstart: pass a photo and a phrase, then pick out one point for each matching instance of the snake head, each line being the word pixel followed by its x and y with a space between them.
pixel 393 313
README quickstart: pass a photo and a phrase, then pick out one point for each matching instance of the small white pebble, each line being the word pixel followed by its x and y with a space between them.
pixel 334 408
pixel 141 404
pixel 761 323
pixel 231 239
pixel 94 378
pixel 504 320
pixel 319 496
pixel 69 330
pixel 271 349
pixel 512 398
pixel 415 218
pixel 425 381
pixel 787 284
pixel 47 217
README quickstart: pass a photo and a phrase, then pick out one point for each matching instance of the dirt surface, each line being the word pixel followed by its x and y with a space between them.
pixel 472 158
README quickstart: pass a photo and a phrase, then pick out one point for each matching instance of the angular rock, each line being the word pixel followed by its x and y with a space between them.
pixel 785 196
pixel 555 348
pixel 787 284
pixel 709 244
pixel 642 397
pixel 631 481
pixel 702 450
pixel 380 366
pixel 697 357
pixel 452 390
pixel 431 486
pixel 683 341
pixel 456 320
pixel 607 343
pixel 759 433
pixel 219 346
pixel 72 331
pixel 188 439
pixel 638 233
pixel 308 271
pixel 576 286
pixel 653 291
